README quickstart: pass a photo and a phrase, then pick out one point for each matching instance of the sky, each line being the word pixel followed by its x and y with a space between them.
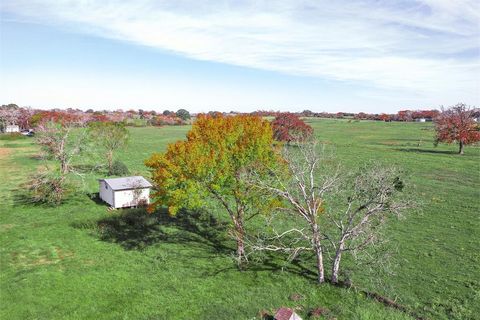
pixel 288 55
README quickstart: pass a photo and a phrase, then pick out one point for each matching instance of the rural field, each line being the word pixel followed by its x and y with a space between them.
pixel 80 261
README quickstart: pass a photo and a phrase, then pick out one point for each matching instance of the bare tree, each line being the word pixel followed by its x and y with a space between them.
pixel 302 185
pixel 359 208
pixel 341 211
pixel 61 142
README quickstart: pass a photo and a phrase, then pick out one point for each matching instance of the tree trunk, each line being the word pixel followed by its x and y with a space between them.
pixel 110 161
pixel 240 238
pixel 336 262
pixel 462 147
pixel 319 254
pixel 63 166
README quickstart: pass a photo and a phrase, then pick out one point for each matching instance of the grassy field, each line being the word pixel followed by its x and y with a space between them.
pixel 79 261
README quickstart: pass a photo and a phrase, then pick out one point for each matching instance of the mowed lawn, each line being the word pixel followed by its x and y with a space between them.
pixel 80 261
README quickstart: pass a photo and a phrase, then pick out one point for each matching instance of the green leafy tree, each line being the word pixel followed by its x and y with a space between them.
pixel 183 114
pixel 112 136
pixel 211 164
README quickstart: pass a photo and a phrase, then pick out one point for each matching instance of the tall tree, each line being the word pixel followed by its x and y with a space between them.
pixel 183 114
pixel 210 164
pixel 330 210
pixel 457 124
pixel 289 127
pixel 302 186
pixel 112 136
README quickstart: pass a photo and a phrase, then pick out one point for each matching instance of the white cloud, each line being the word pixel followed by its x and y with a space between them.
pixel 419 47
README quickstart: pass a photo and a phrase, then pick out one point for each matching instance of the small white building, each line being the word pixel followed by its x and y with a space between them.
pixel 12 128
pixel 421 120
pixel 125 192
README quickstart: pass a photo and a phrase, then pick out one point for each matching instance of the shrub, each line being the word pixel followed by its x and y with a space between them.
pixel 119 169
pixel 46 187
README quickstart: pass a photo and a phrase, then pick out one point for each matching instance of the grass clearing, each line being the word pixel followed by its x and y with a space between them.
pixel 79 261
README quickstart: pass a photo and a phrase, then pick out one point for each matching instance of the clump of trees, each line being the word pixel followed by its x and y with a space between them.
pixel 324 209
pixel 64 139
pixel 457 125
pixel 289 127
pixel 209 165
pixel 61 143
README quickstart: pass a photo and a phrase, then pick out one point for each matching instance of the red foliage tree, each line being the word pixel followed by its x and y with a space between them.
pixel 288 127
pixel 385 117
pixel 61 117
pixel 457 124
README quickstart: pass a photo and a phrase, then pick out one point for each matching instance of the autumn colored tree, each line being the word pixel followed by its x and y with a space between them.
pixel 112 136
pixel 64 119
pixel 289 127
pixel 210 164
pixel 456 124
pixel 385 117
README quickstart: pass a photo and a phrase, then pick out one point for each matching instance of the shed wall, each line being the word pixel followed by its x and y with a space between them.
pixel 128 198
pixel 106 193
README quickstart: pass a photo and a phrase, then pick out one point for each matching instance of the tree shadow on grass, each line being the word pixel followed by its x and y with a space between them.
pixel 135 229
pixel 89 168
pixel 416 150
pixel 273 263
pixel 95 197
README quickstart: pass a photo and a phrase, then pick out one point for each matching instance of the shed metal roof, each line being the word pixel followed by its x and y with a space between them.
pixel 127 183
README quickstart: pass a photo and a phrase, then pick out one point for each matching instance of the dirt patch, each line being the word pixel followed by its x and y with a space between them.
pixel 4 152
pixel 6 227
pixel 40 257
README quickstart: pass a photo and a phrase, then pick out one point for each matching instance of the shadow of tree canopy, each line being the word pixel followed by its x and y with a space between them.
pixel 89 168
pixel 417 150
pixel 95 197
pixel 135 229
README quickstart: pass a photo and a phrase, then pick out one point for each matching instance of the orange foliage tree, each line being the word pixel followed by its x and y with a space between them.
pixel 211 164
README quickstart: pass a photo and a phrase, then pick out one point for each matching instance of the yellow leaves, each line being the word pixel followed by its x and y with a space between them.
pixel 215 151
pixel 172 210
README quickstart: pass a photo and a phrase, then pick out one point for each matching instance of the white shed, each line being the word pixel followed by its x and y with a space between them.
pixel 12 128
pixel 125 192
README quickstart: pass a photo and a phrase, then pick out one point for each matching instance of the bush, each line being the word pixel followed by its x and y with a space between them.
pixel 46 187
pixel 12 136
pixel 119 168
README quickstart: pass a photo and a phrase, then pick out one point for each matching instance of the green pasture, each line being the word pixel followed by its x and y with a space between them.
pixel 80 261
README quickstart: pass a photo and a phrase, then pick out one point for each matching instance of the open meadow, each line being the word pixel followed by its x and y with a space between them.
pixel 80 261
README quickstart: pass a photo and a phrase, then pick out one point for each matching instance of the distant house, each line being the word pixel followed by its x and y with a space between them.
pixel 125 192
pixel 12 128
pixel 286 314
pixel 421 120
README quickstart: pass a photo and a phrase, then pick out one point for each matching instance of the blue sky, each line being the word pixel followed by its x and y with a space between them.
pixel 372 56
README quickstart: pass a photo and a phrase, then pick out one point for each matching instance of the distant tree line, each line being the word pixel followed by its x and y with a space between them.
pixel 28 118
pixel 403 115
